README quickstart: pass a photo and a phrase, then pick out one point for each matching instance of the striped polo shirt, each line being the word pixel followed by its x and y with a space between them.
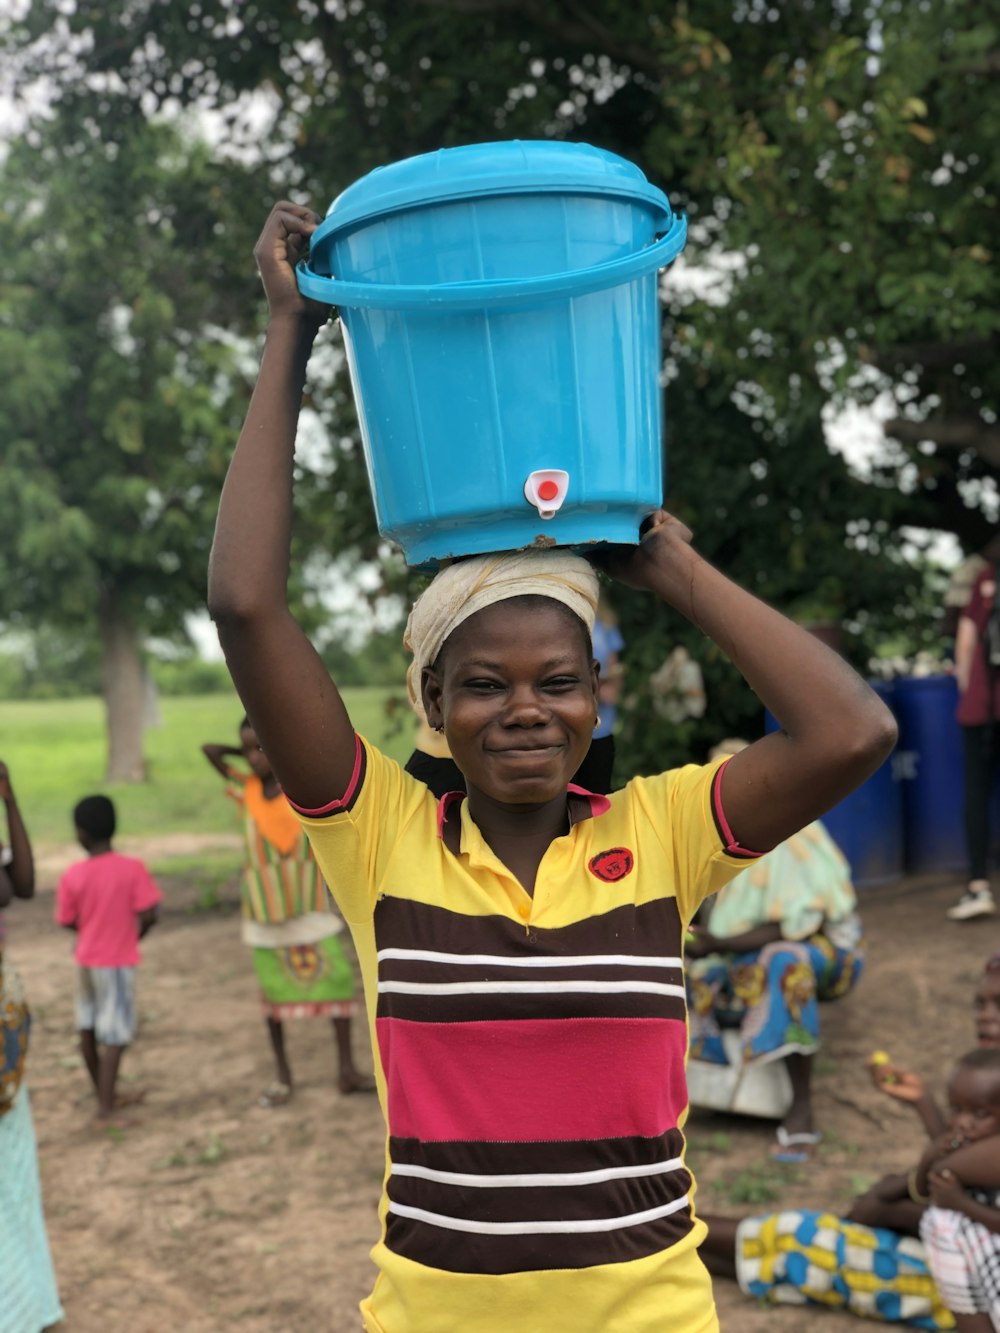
pixel 530 1055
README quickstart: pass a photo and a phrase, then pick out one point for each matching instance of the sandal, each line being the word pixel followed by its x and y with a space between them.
pixel 795 1148
pixel 277 1094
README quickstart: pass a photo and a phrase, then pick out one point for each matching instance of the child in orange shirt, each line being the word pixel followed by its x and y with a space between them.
pixel 301 967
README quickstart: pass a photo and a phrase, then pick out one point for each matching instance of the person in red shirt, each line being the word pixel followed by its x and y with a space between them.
pixel 978 715
pixel 111 901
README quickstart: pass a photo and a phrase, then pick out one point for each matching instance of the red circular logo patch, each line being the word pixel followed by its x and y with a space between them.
pixel 612 865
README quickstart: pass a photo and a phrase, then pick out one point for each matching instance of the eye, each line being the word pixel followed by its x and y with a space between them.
pixel 561 684
pixel 483 685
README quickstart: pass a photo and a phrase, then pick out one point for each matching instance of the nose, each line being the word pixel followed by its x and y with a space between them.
pixel 524 709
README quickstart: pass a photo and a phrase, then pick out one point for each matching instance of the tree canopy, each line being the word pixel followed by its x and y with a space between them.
pixel 835 158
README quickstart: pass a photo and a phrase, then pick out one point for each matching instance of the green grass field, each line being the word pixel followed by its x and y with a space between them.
pixel 56 751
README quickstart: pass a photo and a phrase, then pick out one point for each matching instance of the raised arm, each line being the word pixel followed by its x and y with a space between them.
pixel 835 729
pixel 20 871
pixel 288 694
pixel 216 754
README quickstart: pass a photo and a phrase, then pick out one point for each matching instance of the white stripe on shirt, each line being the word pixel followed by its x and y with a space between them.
pixel 529 988
pixel 537 1228
pixel 535 1179
pixel 498 960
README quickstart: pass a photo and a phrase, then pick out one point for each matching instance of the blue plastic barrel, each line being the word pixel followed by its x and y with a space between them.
pixel 932 762
pixel 501 319
pixel 867 826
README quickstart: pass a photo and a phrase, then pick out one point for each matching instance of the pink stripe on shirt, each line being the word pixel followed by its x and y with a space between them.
pixel 342 802
pixel 522 1081
pixel 729 841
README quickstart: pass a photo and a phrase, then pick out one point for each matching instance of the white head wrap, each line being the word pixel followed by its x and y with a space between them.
pixel 468 586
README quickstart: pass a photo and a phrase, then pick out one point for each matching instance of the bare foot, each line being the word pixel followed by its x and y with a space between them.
pixel 102 1123
pixel 276 1094
pixel 355 1082
pixel 123 1099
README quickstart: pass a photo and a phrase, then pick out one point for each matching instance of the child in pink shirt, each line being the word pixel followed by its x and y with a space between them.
pixel 111 901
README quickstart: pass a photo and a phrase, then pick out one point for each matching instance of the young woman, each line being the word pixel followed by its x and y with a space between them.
pixel 301 967
pixel 521 947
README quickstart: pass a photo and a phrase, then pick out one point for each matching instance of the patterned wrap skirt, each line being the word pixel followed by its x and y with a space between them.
pixel 15 1028
pixel 809 1258
pixel 306 980
pixel 29 1298
pixel 772 993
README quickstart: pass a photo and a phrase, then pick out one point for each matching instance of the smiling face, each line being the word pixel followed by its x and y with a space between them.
pixel 974 1103
pixel 987 1009
pixel 516 690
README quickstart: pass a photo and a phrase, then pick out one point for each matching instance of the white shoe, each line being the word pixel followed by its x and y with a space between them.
pixel 973 903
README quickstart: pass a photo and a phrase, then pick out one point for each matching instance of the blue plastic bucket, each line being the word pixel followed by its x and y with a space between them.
pixel 867 826
pixel 501 320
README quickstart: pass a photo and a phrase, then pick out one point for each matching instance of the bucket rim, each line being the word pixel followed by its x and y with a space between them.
pixel 496 294
pixel 402 201
pixel 486 171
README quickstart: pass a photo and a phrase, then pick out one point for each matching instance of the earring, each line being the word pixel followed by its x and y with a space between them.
pixel 597 721
pixel 440 727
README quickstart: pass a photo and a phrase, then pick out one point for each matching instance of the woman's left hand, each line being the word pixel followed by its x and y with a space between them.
pixel 664 549
pixel 6 789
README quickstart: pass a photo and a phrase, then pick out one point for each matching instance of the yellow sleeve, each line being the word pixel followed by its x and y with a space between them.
pixel 684 816
pixel 353 841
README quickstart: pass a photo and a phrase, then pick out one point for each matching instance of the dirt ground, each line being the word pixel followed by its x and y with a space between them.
pixel 208 1213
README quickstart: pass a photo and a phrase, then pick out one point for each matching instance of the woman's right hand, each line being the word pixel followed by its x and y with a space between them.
pixel 280 246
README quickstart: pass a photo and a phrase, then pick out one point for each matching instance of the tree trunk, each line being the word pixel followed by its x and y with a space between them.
pixel 122 687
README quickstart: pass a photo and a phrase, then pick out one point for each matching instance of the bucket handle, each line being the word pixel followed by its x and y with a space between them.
pixel 497 294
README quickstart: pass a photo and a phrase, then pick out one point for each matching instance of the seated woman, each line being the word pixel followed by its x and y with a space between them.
pixel 783 935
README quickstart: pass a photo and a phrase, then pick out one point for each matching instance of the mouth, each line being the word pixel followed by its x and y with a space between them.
pixel 520 750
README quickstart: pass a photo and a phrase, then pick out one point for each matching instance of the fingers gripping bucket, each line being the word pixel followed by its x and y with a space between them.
pixel 502 328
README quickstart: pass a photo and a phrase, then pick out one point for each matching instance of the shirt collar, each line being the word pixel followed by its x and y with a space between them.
pixel 599 805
